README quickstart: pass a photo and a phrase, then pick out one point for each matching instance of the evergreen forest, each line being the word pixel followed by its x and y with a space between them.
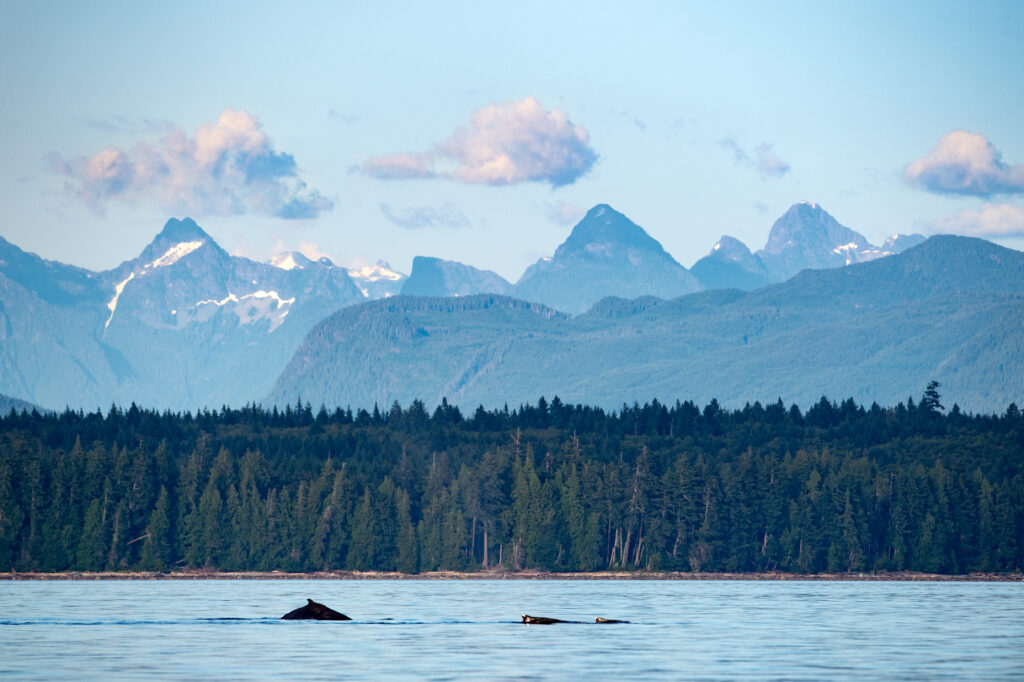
pixel 551 486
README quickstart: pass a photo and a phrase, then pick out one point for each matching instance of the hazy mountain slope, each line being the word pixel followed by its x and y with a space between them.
pixel 383 350
pixel 50 314
pixel 605 255
pixel 439 277
pixel 950 309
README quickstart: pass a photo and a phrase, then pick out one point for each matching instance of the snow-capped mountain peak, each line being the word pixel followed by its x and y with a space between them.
pixel 290 260
pixel 381 270
pixel 379 280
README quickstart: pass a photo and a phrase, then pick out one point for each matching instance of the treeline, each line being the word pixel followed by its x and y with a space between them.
pixel 550 486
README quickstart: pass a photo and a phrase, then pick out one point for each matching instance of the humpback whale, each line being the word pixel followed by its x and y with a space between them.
pixel 314 611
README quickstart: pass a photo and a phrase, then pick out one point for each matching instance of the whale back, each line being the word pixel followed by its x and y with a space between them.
pixel 314 611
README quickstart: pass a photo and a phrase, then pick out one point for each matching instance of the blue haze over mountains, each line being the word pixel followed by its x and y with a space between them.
pixel 187 325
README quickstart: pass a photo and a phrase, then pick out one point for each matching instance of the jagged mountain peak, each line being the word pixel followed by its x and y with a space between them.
pixel 730 265
pixel 178 239
pixel 807 224
pixel 607 254
pixel 730 248
pixel 182 230
pixel 439 277
pixel 603 227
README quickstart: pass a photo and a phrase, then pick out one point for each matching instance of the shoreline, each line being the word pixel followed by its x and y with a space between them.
pixel 902 576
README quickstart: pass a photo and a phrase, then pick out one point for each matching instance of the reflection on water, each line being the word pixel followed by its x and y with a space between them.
pixel 472 630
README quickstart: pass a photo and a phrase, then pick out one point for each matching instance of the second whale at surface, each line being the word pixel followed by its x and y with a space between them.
pixel 541 620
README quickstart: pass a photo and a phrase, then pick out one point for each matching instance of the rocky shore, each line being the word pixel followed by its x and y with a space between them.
pixel 905 576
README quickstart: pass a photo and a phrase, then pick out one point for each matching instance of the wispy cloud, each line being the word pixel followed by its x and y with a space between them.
pixel 124 124
pixel 762 158
pixel 739 156
pixel 504 144
pixel 226 168
pixel 768 162
pixel 992 220
pixel 634 120
pixel 421 217
pixel 565 213
pixel 347 119
pixel 965 163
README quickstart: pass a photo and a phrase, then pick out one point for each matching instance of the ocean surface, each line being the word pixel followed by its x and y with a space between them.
pixel 458 630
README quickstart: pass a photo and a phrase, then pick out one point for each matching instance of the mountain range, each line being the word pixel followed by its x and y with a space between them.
pixel 805 237
pixel 950 309
pixel 185 324
pixel 607 254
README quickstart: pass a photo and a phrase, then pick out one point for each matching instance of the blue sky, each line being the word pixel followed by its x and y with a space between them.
pixel 479 133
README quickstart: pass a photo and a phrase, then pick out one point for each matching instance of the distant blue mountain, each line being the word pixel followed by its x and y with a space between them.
pixel 949 309
pixel 606 254
pixel 730 265
pixel 438 277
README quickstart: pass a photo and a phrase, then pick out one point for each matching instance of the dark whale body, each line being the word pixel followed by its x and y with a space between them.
pixel 541 620
pixel 314 611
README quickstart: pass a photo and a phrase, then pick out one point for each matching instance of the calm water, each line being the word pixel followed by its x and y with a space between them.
pixel 470 630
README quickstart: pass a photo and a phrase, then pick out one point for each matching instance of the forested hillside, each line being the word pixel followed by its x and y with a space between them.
pixel 552 486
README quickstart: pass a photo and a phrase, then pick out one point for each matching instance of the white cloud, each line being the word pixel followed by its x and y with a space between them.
pixel 420 217
pixel 504 144
pixel 965 163
pixel 400 167
pixel 313 251
pixel 227 168
pixel 993 220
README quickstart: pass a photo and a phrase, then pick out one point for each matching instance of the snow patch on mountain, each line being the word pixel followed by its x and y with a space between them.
pixel 271 295
pixel 175 253
pixel 112 305
pixel 232 298
pixel 261 305
pixel 285 261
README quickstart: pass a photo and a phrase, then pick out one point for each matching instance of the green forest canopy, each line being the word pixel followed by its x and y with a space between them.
pixel 552 486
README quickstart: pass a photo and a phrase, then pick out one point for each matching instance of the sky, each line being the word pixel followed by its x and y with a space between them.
pixel 480 133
